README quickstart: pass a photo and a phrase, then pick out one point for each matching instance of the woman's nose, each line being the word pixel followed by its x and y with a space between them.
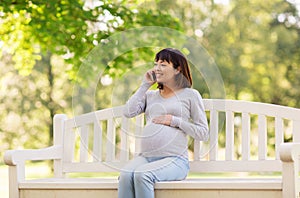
pixel 156 67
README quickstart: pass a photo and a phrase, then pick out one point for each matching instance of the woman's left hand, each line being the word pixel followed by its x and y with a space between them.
pixel 163 119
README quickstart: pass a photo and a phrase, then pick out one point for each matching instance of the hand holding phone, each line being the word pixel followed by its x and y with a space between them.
pixel 153 76
pixel 150 77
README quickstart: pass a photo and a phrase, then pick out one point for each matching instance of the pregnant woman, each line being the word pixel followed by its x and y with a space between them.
pixel 172 112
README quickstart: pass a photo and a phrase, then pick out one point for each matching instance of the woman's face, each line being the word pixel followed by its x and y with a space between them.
pixel 164 71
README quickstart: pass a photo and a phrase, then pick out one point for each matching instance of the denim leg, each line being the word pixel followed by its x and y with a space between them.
pixel 163 169
pixel 126 182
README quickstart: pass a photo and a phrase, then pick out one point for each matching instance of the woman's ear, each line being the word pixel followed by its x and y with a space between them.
pixel 177 70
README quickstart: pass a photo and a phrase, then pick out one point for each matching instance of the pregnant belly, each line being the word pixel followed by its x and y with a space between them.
pixel 157 137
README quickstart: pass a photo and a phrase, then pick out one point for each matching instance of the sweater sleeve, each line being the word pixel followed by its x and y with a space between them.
pixel 137 102
pixel 197 127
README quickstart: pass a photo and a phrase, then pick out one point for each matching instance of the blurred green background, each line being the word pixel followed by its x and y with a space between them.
pixel 254 43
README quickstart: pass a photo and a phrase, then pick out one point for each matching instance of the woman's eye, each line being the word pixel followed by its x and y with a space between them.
pixel 161 65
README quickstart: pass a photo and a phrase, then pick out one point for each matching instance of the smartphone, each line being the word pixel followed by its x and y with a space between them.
pixel 153 77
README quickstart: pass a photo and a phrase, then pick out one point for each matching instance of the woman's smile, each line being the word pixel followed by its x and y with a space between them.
pixel 158 75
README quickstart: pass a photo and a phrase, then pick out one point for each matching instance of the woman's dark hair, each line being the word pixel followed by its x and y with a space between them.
pixel 174 56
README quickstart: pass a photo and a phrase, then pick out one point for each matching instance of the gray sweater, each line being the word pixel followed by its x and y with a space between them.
pixel 188 118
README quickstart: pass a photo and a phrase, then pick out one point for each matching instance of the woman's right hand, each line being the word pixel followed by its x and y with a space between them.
pixel 149 77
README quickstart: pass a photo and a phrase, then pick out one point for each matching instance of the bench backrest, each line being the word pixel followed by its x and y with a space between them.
pixel 244 136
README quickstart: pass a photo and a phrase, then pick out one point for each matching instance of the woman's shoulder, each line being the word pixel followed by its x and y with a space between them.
pixel 192 94
pixel 192 91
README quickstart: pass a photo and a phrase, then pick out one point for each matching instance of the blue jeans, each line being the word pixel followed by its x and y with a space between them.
pixel 138 177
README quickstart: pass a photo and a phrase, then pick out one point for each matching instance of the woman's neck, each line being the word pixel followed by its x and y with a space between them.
pixel 167 92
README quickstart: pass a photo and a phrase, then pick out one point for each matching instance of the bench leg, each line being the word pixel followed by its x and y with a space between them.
pixel 13 182
pixel 289 155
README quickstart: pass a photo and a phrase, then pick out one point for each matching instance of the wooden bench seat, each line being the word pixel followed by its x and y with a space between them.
pixel 246 137
pixel 205 187
pixel 189 183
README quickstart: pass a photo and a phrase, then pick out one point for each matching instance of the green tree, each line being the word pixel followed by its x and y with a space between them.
pixel 28 102
pixel 254 50
pixel 35 35
pixel 69 27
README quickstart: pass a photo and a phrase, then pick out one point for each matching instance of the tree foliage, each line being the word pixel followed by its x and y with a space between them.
pixel 68 27
pixel 41 42
pixel 255 45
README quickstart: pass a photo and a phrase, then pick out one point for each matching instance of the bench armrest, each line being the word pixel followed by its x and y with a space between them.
pixel 290 155
pixel 15 157
pixel 289 152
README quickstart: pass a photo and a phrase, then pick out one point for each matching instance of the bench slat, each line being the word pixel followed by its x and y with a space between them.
pixel 110 140
pixel 278 134
pixel 106 114
pixel 256 108
pixel 229 135
pixel 69 145
pixel 93 167
pixel 84 143
pixel 97 142
pixel 195 166
pixel 124 140
pixel 262 137
pixel 296 130
pixel 235 166
pixel 91 117
pixel 245 136
pixel 213 135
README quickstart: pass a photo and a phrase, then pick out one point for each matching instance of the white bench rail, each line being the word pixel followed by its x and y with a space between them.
pixel 244 137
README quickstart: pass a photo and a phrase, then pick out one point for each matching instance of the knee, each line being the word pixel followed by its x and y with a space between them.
pixel 142 177
pixel 126 176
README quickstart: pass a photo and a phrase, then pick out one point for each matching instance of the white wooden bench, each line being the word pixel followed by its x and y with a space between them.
pixel 102 141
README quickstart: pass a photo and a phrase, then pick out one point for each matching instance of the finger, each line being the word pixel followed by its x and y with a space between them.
pixel 148 76
pixel 156 121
